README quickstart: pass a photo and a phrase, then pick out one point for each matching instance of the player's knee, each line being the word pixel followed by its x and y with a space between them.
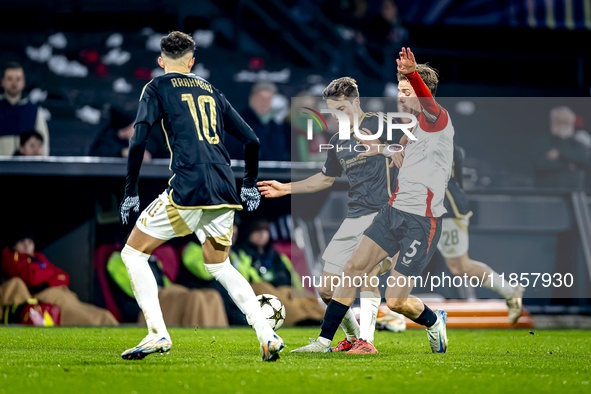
pixel 217 270
pixel 129 255
pixel 369 283
pixel 354 268
pixel 325 292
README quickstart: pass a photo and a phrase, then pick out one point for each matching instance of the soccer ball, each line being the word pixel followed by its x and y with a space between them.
pixel 273 310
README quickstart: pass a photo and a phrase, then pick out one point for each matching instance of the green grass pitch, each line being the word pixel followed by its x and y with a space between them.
pixel 87 360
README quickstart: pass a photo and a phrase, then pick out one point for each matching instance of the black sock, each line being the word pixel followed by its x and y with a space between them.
pixel 335 312
pixel 427 318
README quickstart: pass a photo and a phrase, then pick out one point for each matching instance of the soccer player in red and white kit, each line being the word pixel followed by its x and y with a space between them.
pixel 411 221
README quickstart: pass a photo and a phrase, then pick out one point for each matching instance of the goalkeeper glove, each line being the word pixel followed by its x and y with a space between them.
pixel 127 204
pixel 251 197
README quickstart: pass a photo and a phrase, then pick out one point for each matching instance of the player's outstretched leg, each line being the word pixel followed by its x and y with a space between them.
pixel 145 290
pixel 242 294
pixel 513 295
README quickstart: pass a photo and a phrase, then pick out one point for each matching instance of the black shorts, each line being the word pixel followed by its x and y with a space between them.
pixel 415 236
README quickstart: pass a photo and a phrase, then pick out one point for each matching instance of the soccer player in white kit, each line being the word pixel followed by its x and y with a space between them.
pixel 454 241
pixel 411 221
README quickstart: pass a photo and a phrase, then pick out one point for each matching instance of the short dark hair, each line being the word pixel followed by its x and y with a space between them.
pixel 177 44
pixel 10 65
pixel 428 74
pixel 27 135
pixel 342 87
pixel 18 235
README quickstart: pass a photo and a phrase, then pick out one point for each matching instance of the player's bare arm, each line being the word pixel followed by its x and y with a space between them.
pixel 313 184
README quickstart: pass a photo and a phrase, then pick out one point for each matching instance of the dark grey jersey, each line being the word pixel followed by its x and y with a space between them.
pixel 370 178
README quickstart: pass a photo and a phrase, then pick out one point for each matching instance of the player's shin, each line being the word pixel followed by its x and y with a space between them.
pixel 145 289
pixel 335 312
pixel 370 303
pixel 241 292
pixel 350 325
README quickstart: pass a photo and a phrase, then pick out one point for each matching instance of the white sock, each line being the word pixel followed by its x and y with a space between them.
pixel 370 303
pixel 499 285
pixel 144 288
pixel 350 325
pixel 243 295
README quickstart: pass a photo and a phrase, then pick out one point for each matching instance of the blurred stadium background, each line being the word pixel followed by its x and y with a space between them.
pixel 498 61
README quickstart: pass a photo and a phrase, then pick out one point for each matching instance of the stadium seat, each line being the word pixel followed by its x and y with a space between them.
pixel 101 257
pixel 169 258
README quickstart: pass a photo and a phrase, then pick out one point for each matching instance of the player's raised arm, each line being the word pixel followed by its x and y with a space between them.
pixel 148 112
pixel 236 126
pixel 407 65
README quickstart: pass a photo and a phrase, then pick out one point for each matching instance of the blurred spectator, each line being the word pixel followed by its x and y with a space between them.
pixel 386 27
pixel 263 263
pixel 259 117
pixel 17 113
pixel 31 144
pixel 49 283
pixel 346 12
pixel 13 292
pixel 113 141
pixel 560 159
pixel 272 273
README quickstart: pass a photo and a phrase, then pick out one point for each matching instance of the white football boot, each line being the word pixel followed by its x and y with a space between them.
pixel 437 333
pixel 515 305
pixel 315 346
pixel 152 343
pixel 270 349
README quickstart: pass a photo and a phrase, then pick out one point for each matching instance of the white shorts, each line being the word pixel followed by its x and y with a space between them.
pixel 343 243
pixel 164 220
pixel 454 237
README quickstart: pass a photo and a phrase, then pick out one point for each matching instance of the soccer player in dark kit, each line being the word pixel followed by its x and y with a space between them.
pixel 370 186
pixel 201 197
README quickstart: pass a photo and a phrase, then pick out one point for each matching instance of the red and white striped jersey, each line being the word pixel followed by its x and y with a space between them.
pixel 426 168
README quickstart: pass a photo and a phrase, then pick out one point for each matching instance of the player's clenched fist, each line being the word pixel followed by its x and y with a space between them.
pixel 272 189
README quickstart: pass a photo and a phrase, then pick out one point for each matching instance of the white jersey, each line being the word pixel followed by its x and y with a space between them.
pixel 426 168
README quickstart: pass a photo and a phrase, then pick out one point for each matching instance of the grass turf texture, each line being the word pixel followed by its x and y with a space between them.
pixel 87 360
